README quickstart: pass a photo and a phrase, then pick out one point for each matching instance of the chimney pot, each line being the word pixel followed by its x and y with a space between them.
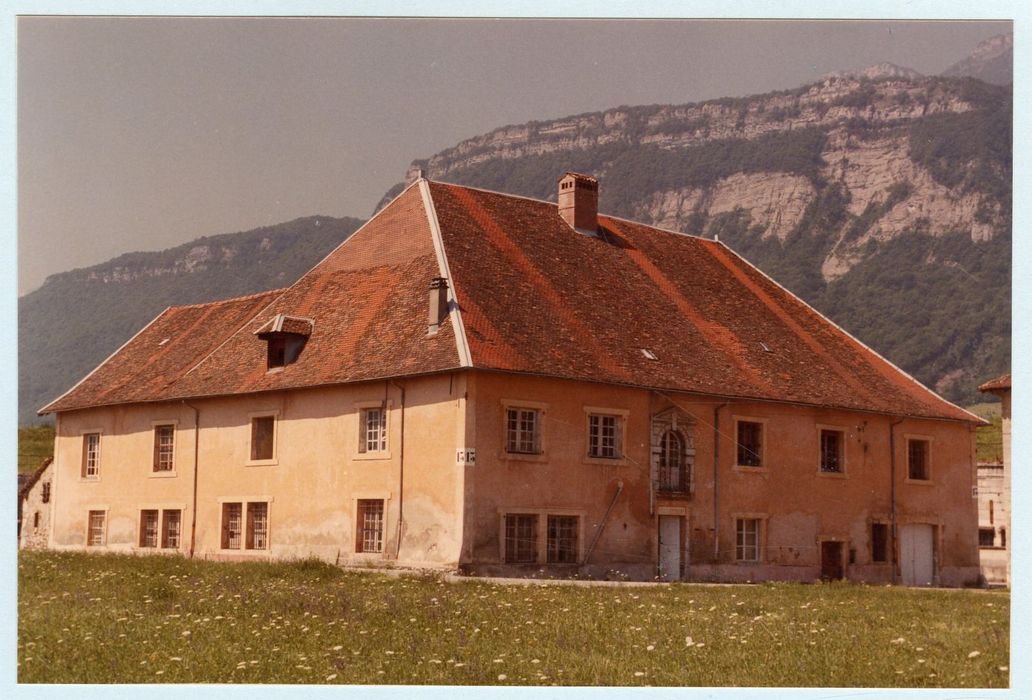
pixel 438 304
pixel 578 202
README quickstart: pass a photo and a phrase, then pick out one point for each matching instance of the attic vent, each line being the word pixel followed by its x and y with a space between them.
pixel 649 355
pixel 765 348
pixel 285 337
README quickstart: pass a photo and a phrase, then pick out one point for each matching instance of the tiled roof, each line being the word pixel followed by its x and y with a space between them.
pixel 998 384
pixel 534 297
pixel 27 481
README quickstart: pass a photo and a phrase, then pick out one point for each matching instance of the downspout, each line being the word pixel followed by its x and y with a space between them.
pixel 196 453
pixel 892 496
pixel 602 525
pixel 716 481
pixel 401 475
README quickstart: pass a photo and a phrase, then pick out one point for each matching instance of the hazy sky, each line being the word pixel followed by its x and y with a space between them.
pixel 143 133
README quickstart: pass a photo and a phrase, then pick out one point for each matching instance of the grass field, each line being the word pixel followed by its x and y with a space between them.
pixel 122 619
pixel 34 445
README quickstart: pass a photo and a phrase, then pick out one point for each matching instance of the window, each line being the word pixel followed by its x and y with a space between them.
pixel 234 534
pixel 879 542
pixel 370 525
pixel 95 536
pixel 262 435
pixel 46 492
pixel 148 528
pixel 372 428
pixel 917 460
pixel 277 355
pixel 747 539
pixel 986 537
pixel 170 531
pixel 523 431
pixel 232 525
pixel 672 477
pixel 604 436
pixel 164 438
pixel 562 539
pixel 750 444
pixel 35 520
pixel 520 538
pixel 832 443
pixel 91 455
pixel 1003 537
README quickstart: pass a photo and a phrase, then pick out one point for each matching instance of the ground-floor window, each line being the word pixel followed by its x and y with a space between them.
pixel 747 539
pixel 171 527
pixel 148 528
pixel 96 534
pixel 562 539
pixel 879 543
pixel 370 525
pixel 234 534
pixel 986 537
pixel 520 538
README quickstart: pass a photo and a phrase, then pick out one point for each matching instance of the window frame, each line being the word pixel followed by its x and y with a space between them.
pixel 763 466
pixel 91 513
pixel 540 545
pixel 84 473
pixel 842 433
pixel 541 410
pixel 515 556
pixel 157 426
pixel 552 551
pixel 992 533
pixel 251 460
pixel 361 451
pixel 144 534
pixel 45 491
pixel 164 529
pixel 887 544
pixel 246 533
pixel 761 536
pixel 620 435
pixel 908 439
pixel 380 532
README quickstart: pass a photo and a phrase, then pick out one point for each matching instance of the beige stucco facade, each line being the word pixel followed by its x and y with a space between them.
pixel 449 484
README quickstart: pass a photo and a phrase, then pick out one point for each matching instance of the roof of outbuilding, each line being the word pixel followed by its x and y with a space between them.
pixel 1000 383
pixel 533 296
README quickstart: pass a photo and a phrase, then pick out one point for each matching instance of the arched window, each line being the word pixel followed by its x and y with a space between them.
pixel 671 462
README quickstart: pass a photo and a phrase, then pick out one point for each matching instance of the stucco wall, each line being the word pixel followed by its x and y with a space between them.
pixel 799 506
pixel 35 535
pixel 311 485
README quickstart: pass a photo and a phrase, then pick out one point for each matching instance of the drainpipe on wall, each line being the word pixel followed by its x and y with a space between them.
pixel 196 453
pixel 892 516
pixel 401 476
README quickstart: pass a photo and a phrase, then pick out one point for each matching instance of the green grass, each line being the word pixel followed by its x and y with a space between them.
pixel 34 445
pixel 121 619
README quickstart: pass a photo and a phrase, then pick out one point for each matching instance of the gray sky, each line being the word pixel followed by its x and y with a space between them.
pixel 143 133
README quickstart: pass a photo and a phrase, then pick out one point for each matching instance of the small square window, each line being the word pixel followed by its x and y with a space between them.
pixel 523 431
pixel 263 431
pixel 46 492
pixel 747 539
pixel 520 538
pixel 879 542
pixel 370 525
pixel 986 537
pixel 164 448
pixel 605 436
pixel 96 535
pixel 562 539
pixel 917 460
pixel 148 528
pixel 91 455
pixel 750 444
pixel 372 430
pixel 832 444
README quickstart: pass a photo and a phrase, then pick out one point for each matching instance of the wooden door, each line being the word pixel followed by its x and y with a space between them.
pixel 831 561
pixel 917 554
pixel 670 547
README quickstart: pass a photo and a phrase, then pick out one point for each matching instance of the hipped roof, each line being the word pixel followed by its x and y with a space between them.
pixel 529 295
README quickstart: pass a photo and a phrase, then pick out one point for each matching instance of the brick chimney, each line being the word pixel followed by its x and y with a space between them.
pixel 578 202
pixel 438 304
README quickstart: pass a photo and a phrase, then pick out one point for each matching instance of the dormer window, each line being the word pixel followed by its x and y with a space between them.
pixel 285 338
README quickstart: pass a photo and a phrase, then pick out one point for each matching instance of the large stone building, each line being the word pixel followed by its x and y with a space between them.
pixel 499 385
pixel 994 495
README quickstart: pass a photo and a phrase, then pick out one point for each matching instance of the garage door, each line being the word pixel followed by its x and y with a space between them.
pixel 916 546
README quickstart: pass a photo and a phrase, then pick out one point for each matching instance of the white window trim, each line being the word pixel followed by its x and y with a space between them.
pixel 248 462
pixel 844 473
pixel 171 473
pixel 542 408
pixel 541 556
pixel 100 454
pixel 374 455
pixel 907 437
pixel 621 413
pixel 764 467
pixel 761 537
